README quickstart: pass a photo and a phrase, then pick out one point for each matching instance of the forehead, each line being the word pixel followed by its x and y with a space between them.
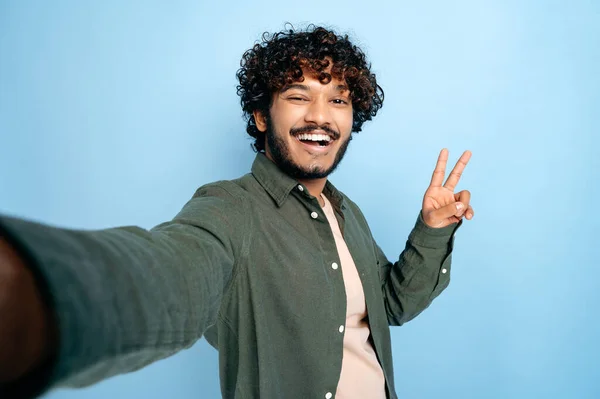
pixel 310 82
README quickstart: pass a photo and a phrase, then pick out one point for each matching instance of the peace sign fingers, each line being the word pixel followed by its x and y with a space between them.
pixel 441 205
pixel 440 169
pixel 457 171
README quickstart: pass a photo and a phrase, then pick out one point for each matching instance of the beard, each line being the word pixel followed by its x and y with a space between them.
pixel 282 158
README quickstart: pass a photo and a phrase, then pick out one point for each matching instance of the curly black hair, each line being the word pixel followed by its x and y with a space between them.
pixel 280 59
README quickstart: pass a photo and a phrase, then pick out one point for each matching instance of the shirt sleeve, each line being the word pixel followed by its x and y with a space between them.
pixel 125 297
pixel 421 273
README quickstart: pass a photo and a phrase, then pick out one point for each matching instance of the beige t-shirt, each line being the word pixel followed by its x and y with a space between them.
pixel 361 376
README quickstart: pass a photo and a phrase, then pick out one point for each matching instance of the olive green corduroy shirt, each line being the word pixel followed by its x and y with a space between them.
pixel 248 264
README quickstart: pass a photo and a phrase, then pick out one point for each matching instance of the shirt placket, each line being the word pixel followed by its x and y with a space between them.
pixel 331 263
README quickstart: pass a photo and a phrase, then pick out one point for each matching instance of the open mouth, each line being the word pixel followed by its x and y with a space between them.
pixel 315 140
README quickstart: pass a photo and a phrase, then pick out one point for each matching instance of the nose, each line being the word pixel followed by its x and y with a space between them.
pixel 318 113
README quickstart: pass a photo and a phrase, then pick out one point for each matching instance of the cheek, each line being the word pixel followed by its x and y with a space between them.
pixel 284 121
pixel 345 122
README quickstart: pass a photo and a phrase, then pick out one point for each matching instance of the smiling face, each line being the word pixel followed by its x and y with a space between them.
pixel 309 127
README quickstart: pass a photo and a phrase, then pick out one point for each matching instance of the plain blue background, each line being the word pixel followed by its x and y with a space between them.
pixel 112 114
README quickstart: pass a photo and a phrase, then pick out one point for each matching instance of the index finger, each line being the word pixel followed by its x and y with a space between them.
pixel 440 169
pixel 457 171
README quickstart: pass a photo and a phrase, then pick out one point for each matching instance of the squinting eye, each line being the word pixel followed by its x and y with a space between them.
pixel 297 98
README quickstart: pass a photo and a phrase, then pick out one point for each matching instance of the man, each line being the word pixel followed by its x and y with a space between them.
pixel 277 269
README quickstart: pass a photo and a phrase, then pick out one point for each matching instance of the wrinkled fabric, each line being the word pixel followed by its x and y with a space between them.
pixel 247 264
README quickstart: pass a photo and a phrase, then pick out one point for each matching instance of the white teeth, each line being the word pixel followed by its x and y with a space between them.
pixel 314 137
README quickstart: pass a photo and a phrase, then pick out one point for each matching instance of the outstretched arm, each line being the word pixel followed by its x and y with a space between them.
pixel 126 297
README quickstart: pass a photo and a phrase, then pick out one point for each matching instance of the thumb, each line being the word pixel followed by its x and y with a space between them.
pixel 445 212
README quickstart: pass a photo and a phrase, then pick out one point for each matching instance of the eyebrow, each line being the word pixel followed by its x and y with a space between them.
pixel 295 86
pixel 306 88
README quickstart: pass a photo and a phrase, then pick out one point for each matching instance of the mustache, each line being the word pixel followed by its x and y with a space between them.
pixel 310 128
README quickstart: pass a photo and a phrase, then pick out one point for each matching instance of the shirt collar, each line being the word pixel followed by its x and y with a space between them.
pixel 279 185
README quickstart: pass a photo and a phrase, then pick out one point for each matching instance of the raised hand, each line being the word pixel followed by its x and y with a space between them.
pixel 441 205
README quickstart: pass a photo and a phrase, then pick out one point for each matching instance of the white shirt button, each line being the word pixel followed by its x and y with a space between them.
pixel 334 266
pixel 341 329
pixel 444 271
pixel 314 215
pixel 300 188
pixel 328 395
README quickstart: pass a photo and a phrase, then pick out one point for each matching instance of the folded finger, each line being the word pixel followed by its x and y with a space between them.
pixel 463 196
pixel 469 213
pixel 455 209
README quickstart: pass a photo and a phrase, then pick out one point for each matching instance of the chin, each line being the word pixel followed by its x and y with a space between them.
pixel 312 164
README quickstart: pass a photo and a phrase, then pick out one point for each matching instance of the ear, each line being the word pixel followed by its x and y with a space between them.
pixel 260 120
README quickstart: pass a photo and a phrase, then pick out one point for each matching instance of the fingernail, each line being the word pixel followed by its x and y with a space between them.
pixel 460 206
